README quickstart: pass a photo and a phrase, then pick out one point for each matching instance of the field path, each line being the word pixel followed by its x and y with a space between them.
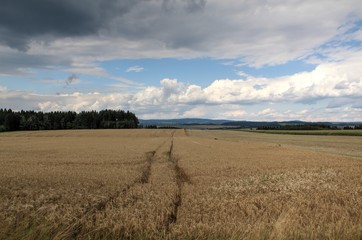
pixel 152 202
pixel 181 178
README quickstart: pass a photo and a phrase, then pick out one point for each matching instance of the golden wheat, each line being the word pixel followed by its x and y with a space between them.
pixel 245 189
pixel 177 184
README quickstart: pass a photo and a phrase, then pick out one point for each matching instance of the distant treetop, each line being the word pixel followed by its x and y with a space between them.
pixel 34 120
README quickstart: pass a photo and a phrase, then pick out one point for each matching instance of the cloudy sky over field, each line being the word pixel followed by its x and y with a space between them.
pixel 230 59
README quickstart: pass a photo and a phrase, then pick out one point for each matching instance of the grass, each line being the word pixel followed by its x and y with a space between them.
pixel 313 132
pixel 341 145
pixel 252 189
pixel 175 184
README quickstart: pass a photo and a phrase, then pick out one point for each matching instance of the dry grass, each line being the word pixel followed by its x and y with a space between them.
pixel 334 132
pixel 255 190
pixel 342 145
pixel 54 183
pixel 152 184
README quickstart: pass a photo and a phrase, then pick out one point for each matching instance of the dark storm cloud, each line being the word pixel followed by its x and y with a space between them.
pixel 41 22
pixel 20 20
pixel 195 5
pixel 189 5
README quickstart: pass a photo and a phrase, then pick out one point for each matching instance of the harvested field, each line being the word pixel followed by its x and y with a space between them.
pixel 179 184
pixel 314 132
pixel 341 145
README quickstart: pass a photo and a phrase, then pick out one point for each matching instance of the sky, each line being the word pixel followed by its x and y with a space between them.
pixel 261 60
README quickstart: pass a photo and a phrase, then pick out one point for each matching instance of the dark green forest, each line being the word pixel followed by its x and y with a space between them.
pixel 34 120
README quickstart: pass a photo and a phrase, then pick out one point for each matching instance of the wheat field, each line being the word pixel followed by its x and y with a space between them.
pixel 179 184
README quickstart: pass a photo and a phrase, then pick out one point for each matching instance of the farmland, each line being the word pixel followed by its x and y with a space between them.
pixel 179 184
pixel 315 132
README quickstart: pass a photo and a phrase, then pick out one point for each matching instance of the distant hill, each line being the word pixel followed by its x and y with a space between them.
pixel 223 123
pixel 183 121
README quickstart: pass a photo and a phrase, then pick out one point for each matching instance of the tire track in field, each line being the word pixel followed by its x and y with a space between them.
pixel 143 179
pixel 171 161
pixel 150 157
pixel 181 178
pixel 145 175
pixel 76 227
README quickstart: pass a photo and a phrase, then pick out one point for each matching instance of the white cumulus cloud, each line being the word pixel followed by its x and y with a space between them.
pixel 330 91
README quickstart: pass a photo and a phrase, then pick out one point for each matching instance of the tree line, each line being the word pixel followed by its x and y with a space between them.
pixel 34 120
